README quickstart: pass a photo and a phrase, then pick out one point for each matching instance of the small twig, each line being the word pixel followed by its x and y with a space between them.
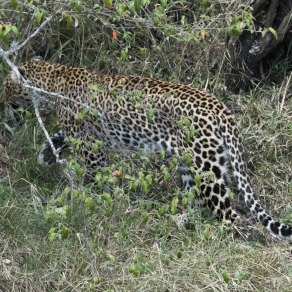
pixel 56 152
pixel 57 95
pixel 16 48
pixel 285 92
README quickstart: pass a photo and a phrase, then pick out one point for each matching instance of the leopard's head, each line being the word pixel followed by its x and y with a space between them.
pixel 15 95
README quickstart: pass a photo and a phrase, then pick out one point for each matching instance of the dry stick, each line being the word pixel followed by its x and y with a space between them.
pixel 256 5
pixel 285 93
pixel 58 95
pixel 56 152
pixel 15 48
pixel 271 13
pixel 62 162
pixel 18 47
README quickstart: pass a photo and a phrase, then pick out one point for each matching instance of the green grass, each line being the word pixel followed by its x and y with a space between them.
pixel 120 250
pixel 125 244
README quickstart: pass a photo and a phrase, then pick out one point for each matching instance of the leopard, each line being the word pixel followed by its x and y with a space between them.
pixel 112 117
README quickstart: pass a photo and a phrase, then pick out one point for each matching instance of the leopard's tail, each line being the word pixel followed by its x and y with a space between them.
pixel 236 152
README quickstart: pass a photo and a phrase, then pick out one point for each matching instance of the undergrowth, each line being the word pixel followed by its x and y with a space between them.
pixel 53 237
pixel 124 232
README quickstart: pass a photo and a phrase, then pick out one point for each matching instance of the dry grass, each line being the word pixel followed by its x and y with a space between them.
pixel 121 253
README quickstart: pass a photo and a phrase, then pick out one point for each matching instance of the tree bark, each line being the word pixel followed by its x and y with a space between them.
pixel 250 50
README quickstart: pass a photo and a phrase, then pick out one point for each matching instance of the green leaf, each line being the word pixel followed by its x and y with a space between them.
pixel 5 37
pixel 274 32
pixel 108 199
pixel 165 172
pixel 94 148
pixel 144 186
pixel 197 191
pixel 145 217
pixel 205 3
pixel 198 179
pixel 89 203
pixel 150 114
pixel 149 179
pixel 240 275
pixel 156 21
pixel 171 166
pixel 52 236
pixel 173 207
pixel 184 201
pixel 50 216
pixel 95 87
pixel 69 21
pixel 143 52
pixel 226 276
pixel 163 209
pixel 179 254
pixel 108 4
pixel 9 129
pixel 138 5
pixel 124 54
pixel 15 30
pixel 14 4
pixel 231 196
pixel 63 211
pixel 191 197
pixel 187 135
pixel 206 233
pixel 67 191
pixel 79 171
pixel 187 159
pixel 61 200
pixel 95 113
pixel 208 262
pixel 38 17
pixel 164 4
pixel 64 233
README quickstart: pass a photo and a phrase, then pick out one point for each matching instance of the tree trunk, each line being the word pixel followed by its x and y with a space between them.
pixel 250 51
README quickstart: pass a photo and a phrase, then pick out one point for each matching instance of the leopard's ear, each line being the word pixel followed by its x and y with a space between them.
pixel 37 58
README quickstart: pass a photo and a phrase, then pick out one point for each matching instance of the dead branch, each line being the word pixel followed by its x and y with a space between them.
pixel 269 42
pixel 257 5
pixel 271 13
pixel 56 152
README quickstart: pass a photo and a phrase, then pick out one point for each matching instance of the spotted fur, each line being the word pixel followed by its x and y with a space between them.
pixel 120 123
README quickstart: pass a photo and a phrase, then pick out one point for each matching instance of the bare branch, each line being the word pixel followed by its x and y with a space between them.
pixel 271 13
pixel 17 47
pixel 257 5
pixel 56 152
pixel 57 95
pixel 5 54
pixel 269 42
